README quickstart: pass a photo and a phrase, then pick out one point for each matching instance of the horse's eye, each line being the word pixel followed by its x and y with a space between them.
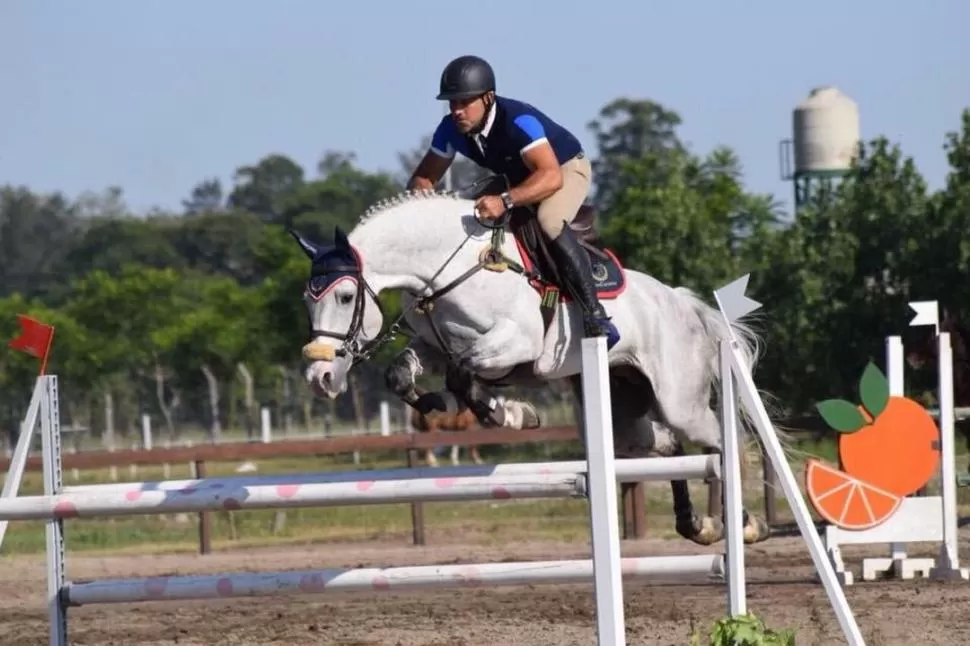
pixel 345 299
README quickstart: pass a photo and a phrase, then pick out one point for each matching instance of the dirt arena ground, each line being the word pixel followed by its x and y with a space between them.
pixel 780 589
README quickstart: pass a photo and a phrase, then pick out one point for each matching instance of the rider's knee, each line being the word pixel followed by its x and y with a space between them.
pixel 551 220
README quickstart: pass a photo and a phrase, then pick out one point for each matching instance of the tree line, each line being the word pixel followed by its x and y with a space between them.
pixel 196 317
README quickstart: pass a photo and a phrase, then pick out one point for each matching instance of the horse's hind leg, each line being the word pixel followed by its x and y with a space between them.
pixel 701 426
pixel 703 530
pixel 637 435
pixel 643 437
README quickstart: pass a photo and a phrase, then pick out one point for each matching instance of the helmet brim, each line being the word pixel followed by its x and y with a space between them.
pixel 468 94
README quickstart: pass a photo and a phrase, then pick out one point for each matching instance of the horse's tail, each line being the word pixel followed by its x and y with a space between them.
pixel 751 347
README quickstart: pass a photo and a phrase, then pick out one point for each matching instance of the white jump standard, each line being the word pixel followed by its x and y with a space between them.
pixel 930 519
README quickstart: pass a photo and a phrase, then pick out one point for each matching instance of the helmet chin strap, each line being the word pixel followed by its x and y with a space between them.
pixel 481 124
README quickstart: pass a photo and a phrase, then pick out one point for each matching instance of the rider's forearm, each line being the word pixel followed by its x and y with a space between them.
pixel 537 187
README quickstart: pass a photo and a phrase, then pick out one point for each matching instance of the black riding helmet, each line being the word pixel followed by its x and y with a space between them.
pixel 466 77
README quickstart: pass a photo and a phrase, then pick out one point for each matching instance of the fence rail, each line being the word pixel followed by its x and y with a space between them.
pixel 633 509
pixel 287 448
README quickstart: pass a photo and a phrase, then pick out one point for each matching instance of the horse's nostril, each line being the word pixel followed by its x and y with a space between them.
pixel 327 378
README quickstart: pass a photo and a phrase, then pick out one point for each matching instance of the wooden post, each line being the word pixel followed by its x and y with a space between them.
pixel 634 509
pixel 205 530
pixel 715 493
pixel 715 506
pixel 771 484
pixel 417 510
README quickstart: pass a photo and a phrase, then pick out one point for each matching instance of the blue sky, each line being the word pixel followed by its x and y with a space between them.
pixel 157 95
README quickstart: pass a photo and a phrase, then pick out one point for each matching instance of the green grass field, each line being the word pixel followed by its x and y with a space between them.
pixel 484 522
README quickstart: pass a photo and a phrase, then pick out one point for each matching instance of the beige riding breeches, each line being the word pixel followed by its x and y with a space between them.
pixel 561 207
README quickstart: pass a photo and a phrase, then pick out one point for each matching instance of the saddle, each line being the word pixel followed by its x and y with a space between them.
pixel 539 265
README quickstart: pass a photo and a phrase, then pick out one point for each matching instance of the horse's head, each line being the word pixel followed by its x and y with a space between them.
pixel 344 313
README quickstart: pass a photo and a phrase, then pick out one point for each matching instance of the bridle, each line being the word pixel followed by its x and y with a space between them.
pixel 349 341
pixel 350 344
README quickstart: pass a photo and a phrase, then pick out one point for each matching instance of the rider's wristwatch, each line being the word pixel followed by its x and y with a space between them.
pixel 507 201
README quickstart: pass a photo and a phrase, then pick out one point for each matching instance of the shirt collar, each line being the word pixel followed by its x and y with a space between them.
pixel 490 119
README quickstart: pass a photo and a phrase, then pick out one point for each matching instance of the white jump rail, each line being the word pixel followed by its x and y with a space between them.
pixel 425 577
pixel 597 481
pixel 365 492
pixel 931 519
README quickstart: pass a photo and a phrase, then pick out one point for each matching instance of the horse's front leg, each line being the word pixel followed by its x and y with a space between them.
pixel 494 355
pixel 402 373
pixel 401 379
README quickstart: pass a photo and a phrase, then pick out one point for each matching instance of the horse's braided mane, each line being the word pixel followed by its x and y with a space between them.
pixel 405 197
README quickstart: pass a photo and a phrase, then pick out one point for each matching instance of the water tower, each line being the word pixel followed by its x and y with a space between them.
pixel 826 137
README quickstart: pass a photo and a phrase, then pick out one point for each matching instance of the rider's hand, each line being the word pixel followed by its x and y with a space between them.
pixel 490 207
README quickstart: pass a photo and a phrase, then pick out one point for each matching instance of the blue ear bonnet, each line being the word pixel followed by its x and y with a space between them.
pixel 331 264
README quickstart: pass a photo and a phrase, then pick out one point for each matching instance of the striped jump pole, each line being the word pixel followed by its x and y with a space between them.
pixel 425 577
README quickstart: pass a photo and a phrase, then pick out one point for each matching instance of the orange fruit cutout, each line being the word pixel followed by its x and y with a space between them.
pixel 896 451
pixel 889 442
pixel 845 501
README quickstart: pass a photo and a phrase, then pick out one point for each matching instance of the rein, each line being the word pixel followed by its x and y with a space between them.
pixel 423 305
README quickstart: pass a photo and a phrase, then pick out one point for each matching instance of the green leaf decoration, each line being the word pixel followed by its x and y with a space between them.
pixel 874 390
pixel 841 415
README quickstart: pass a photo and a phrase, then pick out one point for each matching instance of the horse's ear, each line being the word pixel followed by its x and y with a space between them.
pixel 340 239
pixel 309 248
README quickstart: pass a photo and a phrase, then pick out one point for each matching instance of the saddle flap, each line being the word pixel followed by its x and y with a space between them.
pixel 584 224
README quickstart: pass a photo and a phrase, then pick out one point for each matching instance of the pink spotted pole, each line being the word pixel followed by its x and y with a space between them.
pixel 218 496
pixel 657 569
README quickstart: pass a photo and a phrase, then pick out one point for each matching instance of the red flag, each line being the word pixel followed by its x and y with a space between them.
pixel 35 339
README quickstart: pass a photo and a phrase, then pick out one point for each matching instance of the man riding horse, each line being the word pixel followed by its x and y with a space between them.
pixel 483 326
pixel 543 162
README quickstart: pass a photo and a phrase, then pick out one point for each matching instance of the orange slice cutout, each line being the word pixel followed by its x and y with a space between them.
pixel 846 501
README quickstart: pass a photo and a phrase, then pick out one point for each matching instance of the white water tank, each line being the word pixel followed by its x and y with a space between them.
pixel 826 132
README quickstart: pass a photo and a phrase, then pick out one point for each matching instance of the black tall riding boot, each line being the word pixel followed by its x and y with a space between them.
pixel 574 265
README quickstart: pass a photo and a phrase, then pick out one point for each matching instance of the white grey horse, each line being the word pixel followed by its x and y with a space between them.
pixel 477 319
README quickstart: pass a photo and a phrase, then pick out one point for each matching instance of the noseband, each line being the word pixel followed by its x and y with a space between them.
pixel 324 277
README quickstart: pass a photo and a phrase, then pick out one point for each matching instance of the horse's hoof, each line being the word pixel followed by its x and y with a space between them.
pixel 520 415
pixel 410 357
pixel 530 417
pixel 756 530
pixel 703 531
